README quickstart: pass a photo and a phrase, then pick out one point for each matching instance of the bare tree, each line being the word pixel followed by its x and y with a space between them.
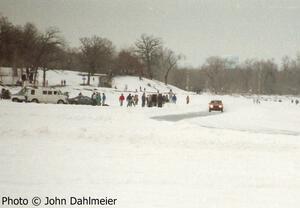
pixel 10 38
pixel 147 49
pixel 170 62
pixel 128 63
pixel 47 47
pixel 97 54
pixel 214 68
pixel 26 47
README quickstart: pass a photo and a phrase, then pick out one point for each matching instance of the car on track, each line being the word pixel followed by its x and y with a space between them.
pixel 40 95
pixel 81 100
pixel 215 105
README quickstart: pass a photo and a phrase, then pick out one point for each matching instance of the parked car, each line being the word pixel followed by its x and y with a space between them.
pixel 39 95
pixel 81 100
pixel 5 94
pixel 215 105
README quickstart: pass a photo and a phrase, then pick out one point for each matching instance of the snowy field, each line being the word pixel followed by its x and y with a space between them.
pixel 176 156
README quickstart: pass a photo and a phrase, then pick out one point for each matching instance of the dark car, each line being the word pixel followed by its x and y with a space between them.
pixel 5 94
pixel 215 105
pixel 81 100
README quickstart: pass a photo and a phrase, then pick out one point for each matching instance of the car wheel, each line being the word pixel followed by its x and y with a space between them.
pixel 60 102
pixel 35 101
pixel 15 100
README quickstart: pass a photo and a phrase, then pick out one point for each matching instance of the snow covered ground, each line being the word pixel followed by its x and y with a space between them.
pixel 130 84
pixel 176 156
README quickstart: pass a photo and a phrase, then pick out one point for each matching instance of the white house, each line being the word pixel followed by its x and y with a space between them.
pixel 10 76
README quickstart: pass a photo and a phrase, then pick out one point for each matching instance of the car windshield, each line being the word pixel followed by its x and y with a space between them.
pixel 22 91
pixel 216 102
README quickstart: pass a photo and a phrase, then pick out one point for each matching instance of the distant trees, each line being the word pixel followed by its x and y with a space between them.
pixel 10 41
pixel 29 45
pixel 169 61
pixel 48 48
pixel 26 47
pixel 96 55
pixel 215 72
pixel 30 49
pixel 147 48
pixel 128 63
pixel 251 76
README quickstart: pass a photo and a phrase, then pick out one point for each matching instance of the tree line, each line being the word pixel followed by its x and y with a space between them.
pixel 29 48
pixel 220 76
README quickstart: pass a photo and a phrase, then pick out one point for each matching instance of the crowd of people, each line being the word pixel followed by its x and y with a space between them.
pixel 132 100
pixel 98 99
pixel 149 100
pixel 135 99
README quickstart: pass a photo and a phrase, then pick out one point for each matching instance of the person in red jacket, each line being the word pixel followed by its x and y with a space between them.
pixel 121 99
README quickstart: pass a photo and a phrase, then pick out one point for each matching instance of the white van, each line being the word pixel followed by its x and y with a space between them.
pixel 40 95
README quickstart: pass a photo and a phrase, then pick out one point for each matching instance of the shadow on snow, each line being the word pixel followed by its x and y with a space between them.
pixel 178 117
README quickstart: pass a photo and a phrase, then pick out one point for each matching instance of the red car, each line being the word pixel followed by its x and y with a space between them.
pixel 215 105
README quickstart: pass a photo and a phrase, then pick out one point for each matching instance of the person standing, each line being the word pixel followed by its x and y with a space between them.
pixel 103 99
pixel 187 99
pixel 170 94
pixel 121 99
pixel 129 100
pixel 136 100
pixel 143 100
pixel 174 98
pixel 94 101
pixel 98 98
pixel 159 100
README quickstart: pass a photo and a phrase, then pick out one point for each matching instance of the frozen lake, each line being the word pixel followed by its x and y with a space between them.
pixel 176 156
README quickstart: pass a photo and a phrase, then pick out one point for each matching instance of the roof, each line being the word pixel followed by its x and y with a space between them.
pixel 86 74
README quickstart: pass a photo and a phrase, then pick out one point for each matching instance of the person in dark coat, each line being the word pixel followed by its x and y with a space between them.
pixel 149 100
pixel 187 99
pixel 103 99
pixel 159 100
pixel 174 99
pixel 129 100
pixel 94 100
pixel 143 100
pixel 154 99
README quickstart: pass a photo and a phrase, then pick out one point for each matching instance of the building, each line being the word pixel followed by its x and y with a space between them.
pixel 100 80
pixel 10 76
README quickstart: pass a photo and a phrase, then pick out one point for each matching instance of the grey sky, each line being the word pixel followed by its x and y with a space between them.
pixel 196 28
